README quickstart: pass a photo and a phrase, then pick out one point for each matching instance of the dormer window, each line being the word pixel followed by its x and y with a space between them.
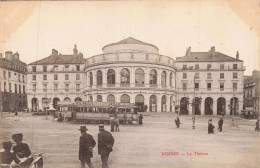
pixel 66 67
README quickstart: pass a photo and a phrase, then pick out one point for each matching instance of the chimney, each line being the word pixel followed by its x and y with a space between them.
pixel 188 52
pixel 75 51
pixel 16 55
pixel 212 51
pixel 54 52
pixel 237 56
pixel 8 55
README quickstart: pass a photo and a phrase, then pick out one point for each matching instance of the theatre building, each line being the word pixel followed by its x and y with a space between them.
pixel 12 82
pixel 209 83
pixel 55 78
pixel 132 71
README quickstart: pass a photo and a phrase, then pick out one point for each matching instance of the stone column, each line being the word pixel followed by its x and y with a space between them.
pixel 132 98
pixel 159 78
pixel 94 72
pixel 132 77
pixel 202 107
pixel 146 81
pixel 159 102
pixel 117 77
pixel 117 97
pixel 104 76
pixel 215 105
pixel 168 103
pixel 146 100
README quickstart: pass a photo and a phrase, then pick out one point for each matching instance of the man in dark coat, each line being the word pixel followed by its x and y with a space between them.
pixel 220 123
pixel 210 127
pixel 105 145
pixel 140 119
pixel 6 157
pixel 21 152
pixel 257 125
pixel 177 122
pixel 86 145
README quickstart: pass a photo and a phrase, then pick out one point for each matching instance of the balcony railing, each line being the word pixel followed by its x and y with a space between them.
pixel 139 85
pixel 153 85
pixel 110 85
pixel 208 89
pixel 124 85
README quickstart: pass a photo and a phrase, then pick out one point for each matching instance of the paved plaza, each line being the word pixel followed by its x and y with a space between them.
pixel 151 145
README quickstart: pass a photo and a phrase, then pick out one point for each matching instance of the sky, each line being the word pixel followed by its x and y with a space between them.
pixel 34 28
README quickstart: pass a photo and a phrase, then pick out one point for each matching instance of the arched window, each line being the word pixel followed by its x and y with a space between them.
pixel 125 77
pixel 125 98
pixel 111 77
pixel 67 99
pixel 163 104
pixel 139 77
pixel 153 77
pixel 77 99
pixel 99 78
pixel 171 80
pixel 163 79
pixel 153 103
pixel 91 79
pixel 111 98
pixel 99 98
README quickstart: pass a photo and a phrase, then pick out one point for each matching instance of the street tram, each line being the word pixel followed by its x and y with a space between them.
pixel 97 112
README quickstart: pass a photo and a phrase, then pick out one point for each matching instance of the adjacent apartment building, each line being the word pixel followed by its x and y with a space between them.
pixel 209 83
pixel 12 82
pixel 55 78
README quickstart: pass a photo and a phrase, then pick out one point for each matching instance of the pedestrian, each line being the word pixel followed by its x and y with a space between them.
pixel 257 125
pixel 16 115
pixel 112 123
pixel 105 145
pixel 86 145
pixel 177 122
pixel 6 156
pixel 210 127
pixel 140 119
pixel 220 124
pixel 21 152
pixel 116 124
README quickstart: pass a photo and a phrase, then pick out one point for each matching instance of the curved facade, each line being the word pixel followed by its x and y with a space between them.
pixel 131 71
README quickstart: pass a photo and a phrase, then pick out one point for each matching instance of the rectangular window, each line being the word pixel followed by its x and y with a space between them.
pixel 15 88
pixel 184 75
pixel 221 86
pixel 34 87
pixel 78 67
pixel 9 74
pixel 4 74
pixel 197 66
pixel 23 79
pixel 66 67
pixel 77 76
pixel 55 87
pixel 55 77
pixel 222 76
pixel 10 88
pixel 184 86
pixel 19 77
pixel 34 68
pixel 55 67
pixel 209 66
pixel 197 86
pixel 4 86
pixel 20 89
pixel 197 75
pixel 234 66
pixel 184 67
pixel 77 87
pixel 44 68
pixel 208 75
pixel 34 77
pixel 44 77
pixel 23 89
pixel 209 86
pixel 66 77
pixel 234 86
pixel 222 66
pixel 66 87
pixel 45 87
pixel 234 75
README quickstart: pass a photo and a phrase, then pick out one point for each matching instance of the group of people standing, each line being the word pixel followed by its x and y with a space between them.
pixel 114 122
pixel 87 143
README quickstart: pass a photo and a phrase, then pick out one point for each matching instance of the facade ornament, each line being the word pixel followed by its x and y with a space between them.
pixel 132 55
pixel 147 56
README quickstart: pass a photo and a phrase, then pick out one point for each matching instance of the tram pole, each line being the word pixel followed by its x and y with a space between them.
pixel 193 105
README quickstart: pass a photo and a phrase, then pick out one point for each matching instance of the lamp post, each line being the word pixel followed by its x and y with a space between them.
pixel 193 105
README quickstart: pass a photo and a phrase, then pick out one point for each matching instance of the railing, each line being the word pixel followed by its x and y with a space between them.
pixel 153 85
pixel 139 85
pixel 124 85
pixel 110 85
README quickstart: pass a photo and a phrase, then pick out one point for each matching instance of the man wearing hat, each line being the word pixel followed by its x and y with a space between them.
pixel 220 124
pixel 210 127
pixel 177 122
pixel 86 145
pixel 105 145
pixel 21 151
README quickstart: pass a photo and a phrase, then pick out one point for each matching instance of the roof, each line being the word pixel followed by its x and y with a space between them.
pixel 60 59
pixel 15 61
pixel 206 57
pixel 130 40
